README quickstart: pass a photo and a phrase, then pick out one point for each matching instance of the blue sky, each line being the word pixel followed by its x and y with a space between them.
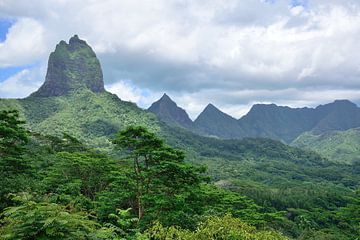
pixel 4 27
pixel 232 53
pixel 5 73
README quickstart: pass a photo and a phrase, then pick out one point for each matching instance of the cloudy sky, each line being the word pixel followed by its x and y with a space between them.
pixel 232 53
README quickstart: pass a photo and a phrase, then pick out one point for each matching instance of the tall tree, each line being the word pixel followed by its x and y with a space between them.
pixel 13 166
pixel 162 178
pixel 13 138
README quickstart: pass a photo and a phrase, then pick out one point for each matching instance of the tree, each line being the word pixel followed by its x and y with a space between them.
pixel 13 166
pixel 162 180
pixel 13 138
pixel 351 213
pixel 45 220
pixel 76 174
pixel 225 228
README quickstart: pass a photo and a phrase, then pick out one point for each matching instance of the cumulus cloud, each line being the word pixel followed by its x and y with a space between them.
pixel 21 84
pixel 127 91
pixel 232 53
pixel 23 44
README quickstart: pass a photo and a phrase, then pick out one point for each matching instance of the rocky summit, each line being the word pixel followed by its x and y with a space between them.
pixel 71 67
pixel 168 111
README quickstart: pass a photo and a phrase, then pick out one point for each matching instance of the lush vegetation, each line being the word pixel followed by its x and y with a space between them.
pixel 59 188
pixel 338 146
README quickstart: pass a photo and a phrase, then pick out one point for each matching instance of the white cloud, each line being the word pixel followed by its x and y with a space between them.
pixel 126 91
pixel 23 45
pixel 232 53
pixel 21 84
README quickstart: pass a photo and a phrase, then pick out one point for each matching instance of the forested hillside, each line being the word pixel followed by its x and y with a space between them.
pixel 338 146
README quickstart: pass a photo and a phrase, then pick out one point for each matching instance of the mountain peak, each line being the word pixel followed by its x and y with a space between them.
pixel 211 106
pixel 168 111
pixel 74 38
pixel 217 123
pixel 210 110
pixel 344 102
pixel 165 97
pixel 71 67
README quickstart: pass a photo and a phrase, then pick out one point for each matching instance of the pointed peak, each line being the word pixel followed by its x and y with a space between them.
pixel 168 111
pixel 210 109
pixel 213 115
pixel 165 97
pixel 211 106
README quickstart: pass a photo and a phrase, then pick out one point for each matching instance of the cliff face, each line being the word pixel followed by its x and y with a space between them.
pixel 72 66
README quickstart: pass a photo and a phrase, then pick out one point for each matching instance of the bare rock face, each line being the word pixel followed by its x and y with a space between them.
pixel 72 66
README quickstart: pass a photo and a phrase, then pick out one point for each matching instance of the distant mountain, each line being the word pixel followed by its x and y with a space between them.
pixel 339 115
pixel 277 122
pixel 338 146
pixel 214 122
pixel 286 124
pixel 168 111
pixel 264 120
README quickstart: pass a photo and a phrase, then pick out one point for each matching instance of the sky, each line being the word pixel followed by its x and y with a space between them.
pixel 231 53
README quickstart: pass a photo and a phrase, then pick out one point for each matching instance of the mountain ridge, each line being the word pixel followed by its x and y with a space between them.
pixel 272 121
pixel 211 122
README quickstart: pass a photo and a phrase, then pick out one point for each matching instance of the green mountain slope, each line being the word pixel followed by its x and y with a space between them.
pixel 90 117
pixel 338 146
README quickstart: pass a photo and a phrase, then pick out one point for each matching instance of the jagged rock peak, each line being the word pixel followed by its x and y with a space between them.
pixel 211 111
pixel 210 106
pixel 168 111
pixel 72 67
pixel 166 97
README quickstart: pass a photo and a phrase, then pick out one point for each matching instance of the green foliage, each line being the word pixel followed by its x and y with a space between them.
pixel 226 228
pixel 13 166
pixel 45 220
pixel 90 117
pixel 162 180
pixel 338 146
pixel 79 174
pixel 13 135
pixel 275 178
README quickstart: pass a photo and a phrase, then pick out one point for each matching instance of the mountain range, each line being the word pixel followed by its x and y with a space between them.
pixel 73 100
pixel 263 120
